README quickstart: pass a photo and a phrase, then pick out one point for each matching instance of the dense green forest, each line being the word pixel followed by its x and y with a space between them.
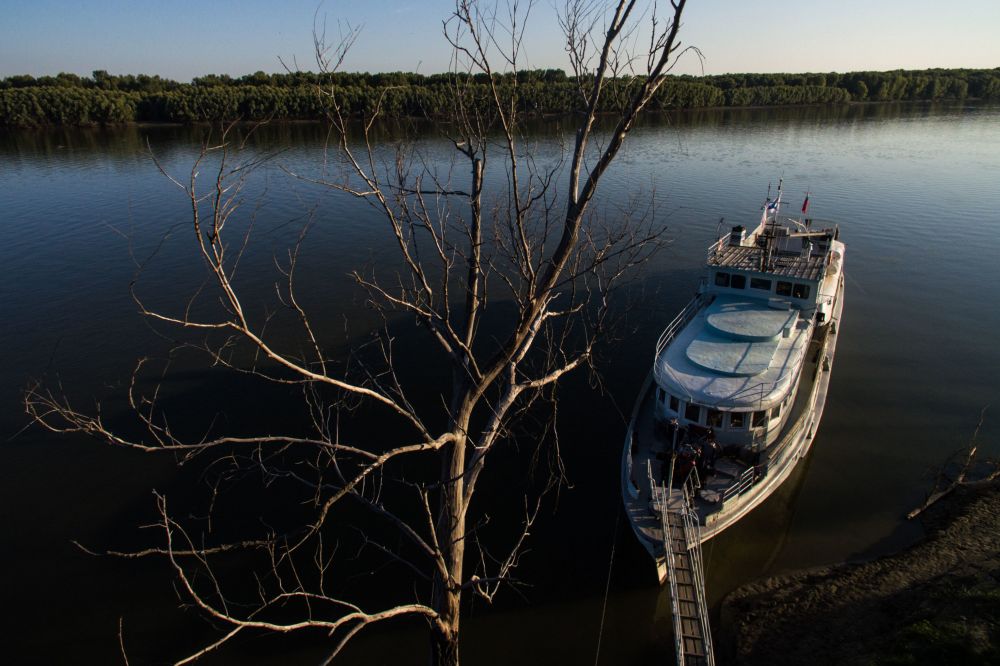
pixel 104 99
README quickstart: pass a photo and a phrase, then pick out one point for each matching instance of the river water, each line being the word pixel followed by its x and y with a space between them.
pixel 915 189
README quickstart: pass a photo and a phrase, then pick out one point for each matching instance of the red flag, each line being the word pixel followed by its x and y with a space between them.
pixel 805 204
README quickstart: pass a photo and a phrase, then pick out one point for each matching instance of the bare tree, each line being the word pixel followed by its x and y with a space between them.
pixel 533 241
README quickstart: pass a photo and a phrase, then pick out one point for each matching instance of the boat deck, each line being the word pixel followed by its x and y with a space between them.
pixel 651 448
pixel 750 258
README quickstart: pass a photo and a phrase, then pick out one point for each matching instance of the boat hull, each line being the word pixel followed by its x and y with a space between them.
pixel 794 444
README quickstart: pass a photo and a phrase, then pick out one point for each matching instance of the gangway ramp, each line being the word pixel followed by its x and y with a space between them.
pixel 686 573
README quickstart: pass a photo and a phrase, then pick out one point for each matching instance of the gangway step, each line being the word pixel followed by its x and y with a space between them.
pixel 688 608
pixel 694 647
pixel 691 628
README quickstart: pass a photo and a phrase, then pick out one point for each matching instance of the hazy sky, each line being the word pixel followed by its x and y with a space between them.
pixel 181 39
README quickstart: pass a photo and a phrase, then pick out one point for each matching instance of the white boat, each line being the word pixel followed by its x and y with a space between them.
pixel 739 380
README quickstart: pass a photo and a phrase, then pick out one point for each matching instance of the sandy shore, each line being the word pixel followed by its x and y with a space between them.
pixel 937 602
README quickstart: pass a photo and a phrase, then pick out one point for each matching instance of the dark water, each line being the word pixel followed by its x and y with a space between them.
pixel 916 190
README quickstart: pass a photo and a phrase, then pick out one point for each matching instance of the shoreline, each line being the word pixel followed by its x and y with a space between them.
pixel 531 116
pixel 937 601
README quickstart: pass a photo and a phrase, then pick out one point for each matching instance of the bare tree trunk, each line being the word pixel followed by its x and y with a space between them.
pixel 447 590
pixel 444 646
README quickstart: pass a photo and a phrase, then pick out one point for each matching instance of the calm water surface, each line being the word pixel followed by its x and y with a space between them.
pixel 916 191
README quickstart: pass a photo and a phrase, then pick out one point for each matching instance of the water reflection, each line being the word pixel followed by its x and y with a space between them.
pixel 913 186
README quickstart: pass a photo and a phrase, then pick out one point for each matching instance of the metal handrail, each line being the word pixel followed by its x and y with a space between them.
pixel 679 321
pixel 691 528
pixel 743 483
pixel 774 453
pixel 690 486
pixel 715 248
pixel 670 332
pixel 692 537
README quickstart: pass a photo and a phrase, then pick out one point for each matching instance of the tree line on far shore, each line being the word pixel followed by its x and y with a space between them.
pixel 106 99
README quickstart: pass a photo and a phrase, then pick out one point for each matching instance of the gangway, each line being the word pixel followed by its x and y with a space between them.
pixel 685 570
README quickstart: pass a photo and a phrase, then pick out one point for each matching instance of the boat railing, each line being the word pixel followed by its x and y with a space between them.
pixel 742 484
pixel 633 487
pixel 715 248
pixel 692 536
pixel 633 439
pixel 776 457
pixel 685 315
pixel 690 487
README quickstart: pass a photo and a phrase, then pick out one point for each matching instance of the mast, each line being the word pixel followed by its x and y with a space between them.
pixel 770 221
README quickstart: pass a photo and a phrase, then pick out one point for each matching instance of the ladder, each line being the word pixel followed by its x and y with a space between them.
pixel 686 573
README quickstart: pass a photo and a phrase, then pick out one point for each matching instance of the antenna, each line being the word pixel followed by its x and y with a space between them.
pixel 718 236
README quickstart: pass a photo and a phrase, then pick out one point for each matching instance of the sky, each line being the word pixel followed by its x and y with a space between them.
pixel 181 39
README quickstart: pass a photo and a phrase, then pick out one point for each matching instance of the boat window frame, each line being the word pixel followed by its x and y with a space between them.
pixel 800 290
pixel 687 409
pixel 759 419
pixel 740 278
pixel 756 282
pixel 722 279
pixel 743 421
pixel 718 415
pixel 674 404
pixel 783 288
pixel 776 411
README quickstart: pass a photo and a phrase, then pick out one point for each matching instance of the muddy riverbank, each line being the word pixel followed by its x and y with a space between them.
pixel 935 602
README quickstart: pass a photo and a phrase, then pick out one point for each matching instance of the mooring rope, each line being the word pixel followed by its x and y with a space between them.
pixel 607 585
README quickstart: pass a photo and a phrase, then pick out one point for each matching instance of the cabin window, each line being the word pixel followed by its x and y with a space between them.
pixel 738 282
pixel 714 418
pixel 760 283
pixel 784 288
pixel 759 419
pixel 737 420
pixel 800 290
pixel 660 394
pixel 722 279
pixel 693 413
pixel 776 412
pixel 675 404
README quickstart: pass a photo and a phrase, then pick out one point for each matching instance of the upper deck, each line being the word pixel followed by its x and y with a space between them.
pixel 752 259
pixel 735 354
pixel 779 246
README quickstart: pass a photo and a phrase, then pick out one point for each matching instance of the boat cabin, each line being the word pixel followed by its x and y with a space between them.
pixel 734 366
